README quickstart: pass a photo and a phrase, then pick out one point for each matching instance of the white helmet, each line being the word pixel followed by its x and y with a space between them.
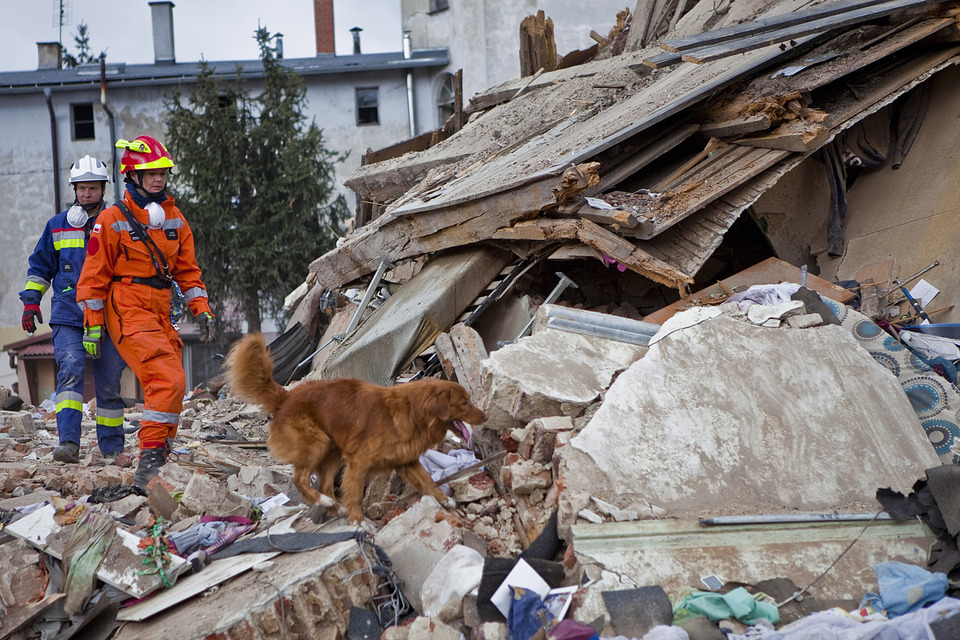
pixel 88 169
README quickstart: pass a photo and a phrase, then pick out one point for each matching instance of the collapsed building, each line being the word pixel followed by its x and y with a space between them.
pixel 673 270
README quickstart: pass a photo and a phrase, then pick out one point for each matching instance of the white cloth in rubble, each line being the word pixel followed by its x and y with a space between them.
pixel 764 294
pixel 838 625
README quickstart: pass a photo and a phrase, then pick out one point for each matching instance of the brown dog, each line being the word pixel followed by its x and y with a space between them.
pixel 319 423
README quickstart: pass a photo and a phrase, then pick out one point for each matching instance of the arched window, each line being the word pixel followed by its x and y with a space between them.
pixel 446 93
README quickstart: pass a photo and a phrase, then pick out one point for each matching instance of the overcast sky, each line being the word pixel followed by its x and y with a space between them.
pixel 211 29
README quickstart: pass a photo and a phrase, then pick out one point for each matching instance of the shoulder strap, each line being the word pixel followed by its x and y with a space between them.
pixel 159 262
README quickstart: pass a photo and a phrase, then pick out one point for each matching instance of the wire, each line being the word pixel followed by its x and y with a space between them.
pixel 827 570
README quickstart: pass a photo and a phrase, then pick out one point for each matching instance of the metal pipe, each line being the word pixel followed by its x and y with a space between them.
pixel 54 143
pixel 371 289
pixel 795 517
pixel 553 297
pixel 603 325
pixel 113 128
pixel 411 111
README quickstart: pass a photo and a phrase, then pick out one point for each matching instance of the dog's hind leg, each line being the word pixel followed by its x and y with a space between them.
pixel 414 474
pixel 351 489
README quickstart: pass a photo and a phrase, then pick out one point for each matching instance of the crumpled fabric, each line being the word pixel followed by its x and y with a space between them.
pixel 666 632
pixel 764 294
pixel 85 551
pixel 211 534
pixel 835 624
pixel 904 588
pixel 440 465
pixel 738 604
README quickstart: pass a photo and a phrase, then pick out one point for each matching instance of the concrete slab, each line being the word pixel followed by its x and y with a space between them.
pixel 727 417
pixel 550 373
pixel 675 554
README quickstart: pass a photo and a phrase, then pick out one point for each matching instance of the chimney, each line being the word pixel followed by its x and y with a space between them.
pixel 323 24
pixel 162 15
pixel 48 56
pixel 356 40
pixel 278 46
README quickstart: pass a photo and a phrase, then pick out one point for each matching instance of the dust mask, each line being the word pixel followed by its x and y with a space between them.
pixel 157 215
pixel 77 216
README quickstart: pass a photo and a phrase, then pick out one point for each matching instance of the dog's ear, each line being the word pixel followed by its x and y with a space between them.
pixel 435 402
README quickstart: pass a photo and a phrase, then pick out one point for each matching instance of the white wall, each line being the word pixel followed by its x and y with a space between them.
pixel 483 35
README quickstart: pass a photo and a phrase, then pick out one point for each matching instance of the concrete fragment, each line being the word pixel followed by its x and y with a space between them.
pixel 258 482
pixel 205 496
pixel 493 631
pixel 619 515
pixel 589 516
pixel 743 435
pixel 176 476
pixel 804 321
pixel 762 313
pixel 456 574
pixel 525 476
pixel 549 374
pixel 415 541
pixel 128 505
pixel 472 489
pixel 424 628
pixel 17 425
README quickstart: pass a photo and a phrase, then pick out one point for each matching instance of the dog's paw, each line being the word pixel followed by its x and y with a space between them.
pixel 326 501
pixel 367 526
pixel 449 503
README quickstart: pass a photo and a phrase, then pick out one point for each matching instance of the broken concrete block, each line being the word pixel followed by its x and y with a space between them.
pixel 18 425
pixel 525 476
pixel 804 321
pixel 415 541
pixel 492 631
pixel 424 628
pixel 128 505
pixel 472 489
pixel 619 515
pixel 259 481
pixel 762 313
pixel 205 496
pixel 176 476
pixel 549 374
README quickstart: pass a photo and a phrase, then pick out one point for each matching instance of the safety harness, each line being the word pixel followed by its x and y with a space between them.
pixel 163 280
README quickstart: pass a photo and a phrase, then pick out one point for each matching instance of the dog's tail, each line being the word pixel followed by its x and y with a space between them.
pixel 250 373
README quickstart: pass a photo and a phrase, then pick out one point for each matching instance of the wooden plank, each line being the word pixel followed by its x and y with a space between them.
pixel 771 270
pixel 662 60
pixel 765 24
pixel 617 218
pixel 777 36
pixel 612 177
pixel 605 242
pixel 796 136
pixel 748 124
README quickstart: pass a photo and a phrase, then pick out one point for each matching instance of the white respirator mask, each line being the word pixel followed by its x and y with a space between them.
pixel 77 216
pixel 157 215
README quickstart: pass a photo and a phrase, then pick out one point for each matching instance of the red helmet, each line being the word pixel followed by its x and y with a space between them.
pixel 143 153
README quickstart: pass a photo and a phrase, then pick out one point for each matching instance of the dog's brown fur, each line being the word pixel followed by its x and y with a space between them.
pixel 319 423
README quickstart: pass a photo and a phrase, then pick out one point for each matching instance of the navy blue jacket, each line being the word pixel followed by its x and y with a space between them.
pixel 55 264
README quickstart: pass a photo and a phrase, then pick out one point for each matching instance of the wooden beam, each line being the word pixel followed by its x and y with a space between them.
pixel 471 221
pixel 619 172
pixel 610 217
pixel 763 25
pixel 730 47
pixel 748 124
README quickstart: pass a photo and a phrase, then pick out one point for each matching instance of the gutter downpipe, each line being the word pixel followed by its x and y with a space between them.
pixel 55 148
pixel 113 128
pixel 411 114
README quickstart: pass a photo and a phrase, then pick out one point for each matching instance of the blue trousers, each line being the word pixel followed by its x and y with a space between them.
pixel 71 359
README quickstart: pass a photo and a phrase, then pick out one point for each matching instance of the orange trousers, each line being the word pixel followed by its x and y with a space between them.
pixel 138 321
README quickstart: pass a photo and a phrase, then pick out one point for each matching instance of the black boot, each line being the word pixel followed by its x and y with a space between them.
pixel 149 466
pixel 67 452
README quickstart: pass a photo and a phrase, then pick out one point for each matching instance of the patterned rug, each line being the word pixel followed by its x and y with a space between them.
pixel 935 400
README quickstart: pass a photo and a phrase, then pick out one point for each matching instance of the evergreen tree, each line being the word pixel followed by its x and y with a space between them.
pixel 256 182
pixel 81 41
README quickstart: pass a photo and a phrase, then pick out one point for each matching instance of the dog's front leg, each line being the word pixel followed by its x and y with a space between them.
pixel 414 474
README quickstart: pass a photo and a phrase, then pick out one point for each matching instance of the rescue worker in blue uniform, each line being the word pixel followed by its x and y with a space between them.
pixel 55 264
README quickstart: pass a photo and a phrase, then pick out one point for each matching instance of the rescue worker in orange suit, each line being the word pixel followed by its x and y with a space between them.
pixel 55 264
pixel 138 248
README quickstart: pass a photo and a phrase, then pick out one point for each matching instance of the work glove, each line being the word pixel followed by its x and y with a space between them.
pixel 31 316
pixel 205 320
pixel 93 340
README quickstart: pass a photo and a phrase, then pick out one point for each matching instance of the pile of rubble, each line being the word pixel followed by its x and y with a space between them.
pixel 655 463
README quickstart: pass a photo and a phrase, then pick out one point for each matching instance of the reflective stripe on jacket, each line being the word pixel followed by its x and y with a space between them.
pixel 113 251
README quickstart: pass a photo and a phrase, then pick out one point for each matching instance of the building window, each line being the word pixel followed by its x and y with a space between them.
pixel 437 6
pixel 367 106
pixel 446 95
pixel 82 115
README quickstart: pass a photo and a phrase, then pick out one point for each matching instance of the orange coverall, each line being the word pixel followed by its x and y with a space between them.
pixel 137 315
